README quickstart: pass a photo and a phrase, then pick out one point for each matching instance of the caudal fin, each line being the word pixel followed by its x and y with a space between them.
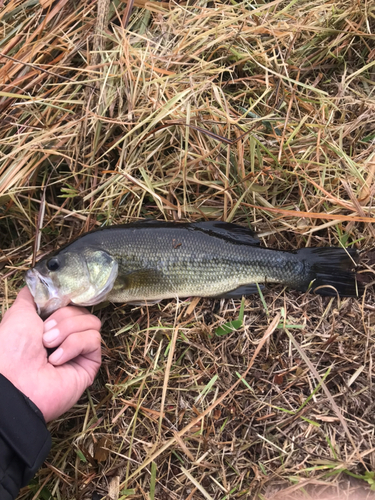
pixel 333 270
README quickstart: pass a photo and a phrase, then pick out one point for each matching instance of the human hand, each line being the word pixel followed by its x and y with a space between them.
pixel 56 383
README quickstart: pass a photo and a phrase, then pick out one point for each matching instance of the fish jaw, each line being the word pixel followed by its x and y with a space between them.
pixel 46 297
pixel 31 278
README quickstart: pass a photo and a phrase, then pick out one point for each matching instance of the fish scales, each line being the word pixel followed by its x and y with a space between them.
pixel 150 261
pixel 182 262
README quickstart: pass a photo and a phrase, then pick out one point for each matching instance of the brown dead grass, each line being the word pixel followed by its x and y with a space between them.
pixel 250 113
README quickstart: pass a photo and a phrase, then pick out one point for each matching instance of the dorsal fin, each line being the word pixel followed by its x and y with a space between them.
pixel 224 230
pixel 233 232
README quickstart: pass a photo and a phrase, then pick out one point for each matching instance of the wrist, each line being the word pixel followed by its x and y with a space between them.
pixel 23 428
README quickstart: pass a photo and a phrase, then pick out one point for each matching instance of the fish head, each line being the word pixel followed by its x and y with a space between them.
pixel 82 277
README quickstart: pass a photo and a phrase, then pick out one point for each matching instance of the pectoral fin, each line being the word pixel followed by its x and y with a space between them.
pixel 102 271
pixel 142 278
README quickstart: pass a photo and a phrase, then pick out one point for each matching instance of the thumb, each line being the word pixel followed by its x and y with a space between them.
pixel 23 307
pixel 25 301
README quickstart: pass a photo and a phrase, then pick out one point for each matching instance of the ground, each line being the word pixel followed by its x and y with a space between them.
pixel 256 113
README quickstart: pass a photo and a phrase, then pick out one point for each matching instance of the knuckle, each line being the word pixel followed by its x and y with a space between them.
pixel 97 337
pixel 92 322
pixel 91 378
pixel 69 324
pixel 61 314
pixel 91 337
pixel 98 323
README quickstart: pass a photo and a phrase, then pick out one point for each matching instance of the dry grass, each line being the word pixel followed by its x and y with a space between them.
pixel 252 113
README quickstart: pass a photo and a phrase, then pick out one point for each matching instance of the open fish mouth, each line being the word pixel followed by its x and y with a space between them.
pixel 32 278
pixel 44 292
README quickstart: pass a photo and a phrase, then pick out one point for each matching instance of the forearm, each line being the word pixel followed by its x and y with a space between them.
pixel 24 440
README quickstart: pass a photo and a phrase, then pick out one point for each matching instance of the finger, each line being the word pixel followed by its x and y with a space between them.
pixel 85 344
pixel 64 313
pixel 70 326
pixel 25 295
pixel 24 302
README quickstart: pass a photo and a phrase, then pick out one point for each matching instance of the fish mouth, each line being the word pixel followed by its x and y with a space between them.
pixel 44 292
pixel 32 278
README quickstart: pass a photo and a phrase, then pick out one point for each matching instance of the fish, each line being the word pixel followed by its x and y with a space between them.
pixel 147 261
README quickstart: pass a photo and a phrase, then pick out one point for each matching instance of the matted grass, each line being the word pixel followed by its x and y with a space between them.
pixel 255 113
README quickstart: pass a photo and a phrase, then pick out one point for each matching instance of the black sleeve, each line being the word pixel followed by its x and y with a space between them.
pixel 24 440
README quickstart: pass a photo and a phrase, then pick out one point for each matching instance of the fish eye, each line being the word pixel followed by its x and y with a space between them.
pixel 53 264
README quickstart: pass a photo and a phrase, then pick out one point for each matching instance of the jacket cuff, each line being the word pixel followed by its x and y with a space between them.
pixel 23 428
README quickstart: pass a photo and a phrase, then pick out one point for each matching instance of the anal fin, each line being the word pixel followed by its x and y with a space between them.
pixel 239 292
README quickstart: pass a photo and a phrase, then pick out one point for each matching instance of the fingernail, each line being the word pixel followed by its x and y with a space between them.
pixel 48 325
pixel 56 355
pixel 51 335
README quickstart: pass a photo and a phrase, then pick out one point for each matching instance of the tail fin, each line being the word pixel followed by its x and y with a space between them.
pixel 333 267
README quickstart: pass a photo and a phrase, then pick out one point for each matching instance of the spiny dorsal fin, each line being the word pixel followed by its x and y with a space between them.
pixel 233 232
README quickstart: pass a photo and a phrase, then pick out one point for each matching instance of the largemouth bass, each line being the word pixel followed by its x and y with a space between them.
pixel 153 260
